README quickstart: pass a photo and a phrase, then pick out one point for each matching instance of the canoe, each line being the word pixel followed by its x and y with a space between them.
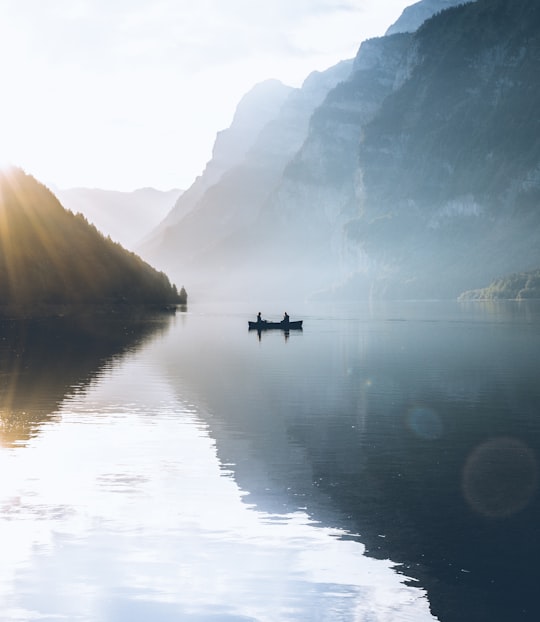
pixel 264 325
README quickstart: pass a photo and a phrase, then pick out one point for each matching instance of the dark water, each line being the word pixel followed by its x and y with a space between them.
pixel 382 464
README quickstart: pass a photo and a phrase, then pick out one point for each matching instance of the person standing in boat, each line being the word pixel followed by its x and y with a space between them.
pixel 259 318
pixel 285 318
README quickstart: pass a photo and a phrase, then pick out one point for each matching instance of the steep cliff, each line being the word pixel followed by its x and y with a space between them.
pixel 419 177
pixel 301 243
pixel 321 188
pixel 259 106
pixel 413 171
pixel 451 162
pixel 255 110
pixel 198 239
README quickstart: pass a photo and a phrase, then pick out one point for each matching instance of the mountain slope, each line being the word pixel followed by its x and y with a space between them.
pixel 50 256
pixel 415 15
pixel 196 239
pixel 259 106
pixel 419 176
pixel 295 215
pixel 451 163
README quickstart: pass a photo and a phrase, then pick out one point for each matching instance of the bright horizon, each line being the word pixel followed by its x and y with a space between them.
pixel 129 94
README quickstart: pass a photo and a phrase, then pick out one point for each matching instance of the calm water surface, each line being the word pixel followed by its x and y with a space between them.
pixel 382 464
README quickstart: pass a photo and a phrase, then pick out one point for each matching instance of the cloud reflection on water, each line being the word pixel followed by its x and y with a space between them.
pixel 120 511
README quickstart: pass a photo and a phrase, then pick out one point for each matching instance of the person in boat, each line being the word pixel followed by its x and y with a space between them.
pixel 285 318
pixel 259 318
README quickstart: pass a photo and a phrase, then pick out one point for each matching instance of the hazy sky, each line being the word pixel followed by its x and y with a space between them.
pixel 122 94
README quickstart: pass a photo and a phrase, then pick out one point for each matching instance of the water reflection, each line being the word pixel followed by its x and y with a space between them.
pixel 285 334
pixel 42 361
pixel 210 476
pixel 121 511
pixel 415 429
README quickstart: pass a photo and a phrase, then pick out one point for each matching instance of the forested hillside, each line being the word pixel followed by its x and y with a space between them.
pixel 518 286
pixel 50 256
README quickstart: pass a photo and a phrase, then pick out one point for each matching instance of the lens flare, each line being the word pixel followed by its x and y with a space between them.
pixel 500 477
pixel 424 422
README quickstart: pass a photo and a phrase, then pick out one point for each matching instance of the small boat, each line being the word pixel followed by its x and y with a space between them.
pixel 265 325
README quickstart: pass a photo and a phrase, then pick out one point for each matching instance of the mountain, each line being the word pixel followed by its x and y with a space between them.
pixel 257 108
pixel 450 164
pixel 51 256
pixel 415 175
pixel 415 15
pixel 229 195
pixel 321 186
pixel 124 216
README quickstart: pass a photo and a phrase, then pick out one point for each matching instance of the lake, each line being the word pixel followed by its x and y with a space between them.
pixel 379 465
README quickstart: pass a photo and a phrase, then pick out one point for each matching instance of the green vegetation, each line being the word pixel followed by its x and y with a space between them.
pixel 49 256
pixel 182 297
pixel 518 286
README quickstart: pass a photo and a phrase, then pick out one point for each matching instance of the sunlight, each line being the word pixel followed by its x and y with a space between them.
pixel 6 165
pixel 105 487
pixel 28 229
pixel 126 89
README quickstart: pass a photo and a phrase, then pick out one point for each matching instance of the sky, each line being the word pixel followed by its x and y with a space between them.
pixel 125 94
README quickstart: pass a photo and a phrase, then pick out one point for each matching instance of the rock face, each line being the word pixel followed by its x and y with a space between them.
pixel 256 109
pixel 451 163
pixel 212 225
pixel 413 171
pixel 321 188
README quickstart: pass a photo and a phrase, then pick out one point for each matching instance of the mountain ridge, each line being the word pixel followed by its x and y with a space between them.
pixel 188 238
pixel 124 216
pixel 416 176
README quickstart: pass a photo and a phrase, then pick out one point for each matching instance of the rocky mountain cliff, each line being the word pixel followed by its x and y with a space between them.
pixel 415 175
pixel 450 165
pixel 256 109
pixel 226 200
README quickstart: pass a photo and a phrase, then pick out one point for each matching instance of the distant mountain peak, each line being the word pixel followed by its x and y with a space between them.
pixel 416 14
pixel 125 216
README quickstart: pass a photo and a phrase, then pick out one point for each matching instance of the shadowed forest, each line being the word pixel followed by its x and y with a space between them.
pixel 49 256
